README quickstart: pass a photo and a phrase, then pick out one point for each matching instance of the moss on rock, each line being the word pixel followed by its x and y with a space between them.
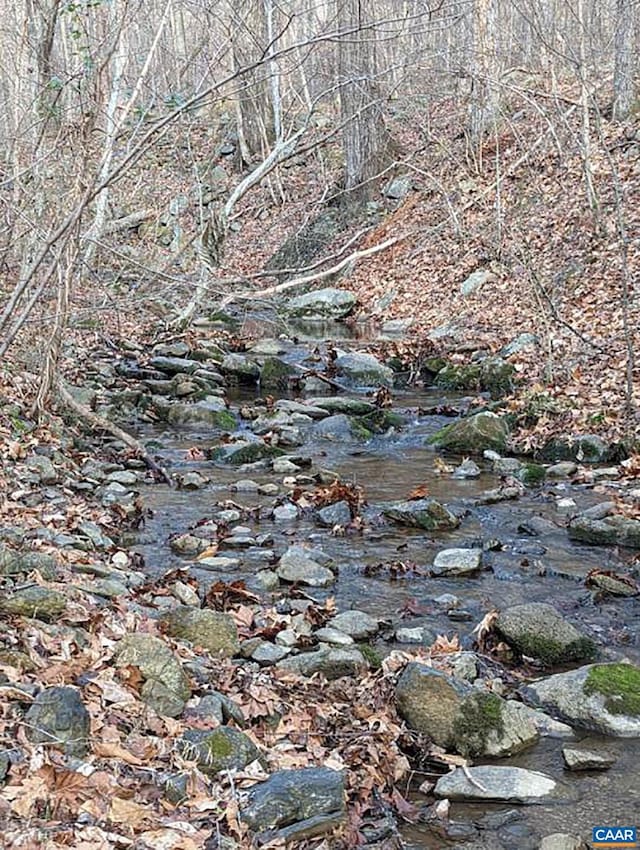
pixel 619 684
pixel 531 474
pixel 479 716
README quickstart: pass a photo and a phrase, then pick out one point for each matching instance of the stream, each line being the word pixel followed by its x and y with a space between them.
pixel 519 568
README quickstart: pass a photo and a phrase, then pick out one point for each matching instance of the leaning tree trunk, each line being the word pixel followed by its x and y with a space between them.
pixel 365 138
pixel 623 88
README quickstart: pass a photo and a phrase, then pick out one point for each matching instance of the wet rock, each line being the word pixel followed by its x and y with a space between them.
pixel 537 525
pixel 564 469
pixel 294 796
pixel 537 630
pixel 336 428
pixel 269 347
pixel 174 365
pixel 467 469
pixel 322 304
pixel 546 725
pixel 239 453
pixel 496 783
pixel 357 624
pixel 285 513
pixel 455 715
pixel 615 585
pixel 422 513
pixel 457 562
pixel 188 544
pixel 40 603
pixel 616 530
pixel 210 412
pixel 311 410
pixel 58 717
pixel 212 630
pixel 275 374
pixel 561 841
pixel 472 435
pixel 363 370
pixel 297 566
pixel 331 515
pixel 584 448
pixel 221 749
pixel 342 404
pixel 192 481
pixel 331 663
pixel 240 368
pixel 582 757
pixel 166 687
pixel 218 563
pixel 600 697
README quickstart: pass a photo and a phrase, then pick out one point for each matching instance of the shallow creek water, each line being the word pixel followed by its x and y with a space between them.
pixel 548 568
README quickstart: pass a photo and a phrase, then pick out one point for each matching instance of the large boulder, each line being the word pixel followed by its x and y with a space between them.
pixel 210 412
pixel 472 435
pixel 212 630
pixel 298 566
pixel 614 530
pixel 275 374
pixel 585 448
pixel 166 686
pixel 458 716
pixel 224 748
pixel 422 513
pixel 457 562
pixel 322 304
pixel 363 370
pixel 604 698
pixel 240 368
pixel 497 784
pixel 58 717
pixel 538 630
pixel 294 796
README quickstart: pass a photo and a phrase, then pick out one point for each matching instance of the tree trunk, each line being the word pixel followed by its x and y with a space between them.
pixel 484 108
pixel 364 136
pixel 623 88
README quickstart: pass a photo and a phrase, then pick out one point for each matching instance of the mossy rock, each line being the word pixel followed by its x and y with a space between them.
pixel 472 435
pixel 585 448
pixel 479 716
pixel 538 630
pixel 380 421
pixel 247 453
pixel 619 684
pixel 497 376
pixel 275 374
pixel 37 602
pixel 212 630
pixel 531 474
pixel 433 365
pixel 459 377
pixel 224 748
pixel 370 655
pixel 166 687
pixel 422 513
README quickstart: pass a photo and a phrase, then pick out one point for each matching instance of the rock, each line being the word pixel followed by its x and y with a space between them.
pixel 210 412
pixel 240 453
pixel 166 687
pixel 561 841
pixel 564 469
pixel 396 327
pixel 342 404
pixel 171 349
pixel 58 717
pixel 331 515
pixel 455 715
pixel 357 624
pixel 475 281
pixel 285 513
pixel 38 602
pixel 496 783
pixel 174 365
pixel 467 469
pixel 520 343
pixel 601 697
pixel 291 796
pixel 415 635
pixel 269 347
pixel 275 374
pixel 581 757
pixel 212 630
pixel 188 544
pixel 283 466
pixel 322 304
pixel 296 566
pixel 14 561
pixel 457 562
pixel 269 653
pixel 218 563
pixel 363 370
pixel 336 428
pixel 240 368
pixel 224 748
pixel 43 468
pixel 472 435
pixel 306 409
pixel 331 663
pixel 398 188
pixel 537 630
pixel 192 481
pixel 422 513
pixel 546 726
pixel 616 530
pixel 335 637
pixel 584 448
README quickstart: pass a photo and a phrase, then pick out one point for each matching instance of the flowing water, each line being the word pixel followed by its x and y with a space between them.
pixel 523 569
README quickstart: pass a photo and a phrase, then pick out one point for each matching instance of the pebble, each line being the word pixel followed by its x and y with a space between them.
pixel 285 513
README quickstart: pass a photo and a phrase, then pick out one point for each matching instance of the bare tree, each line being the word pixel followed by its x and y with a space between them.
pixel 623 84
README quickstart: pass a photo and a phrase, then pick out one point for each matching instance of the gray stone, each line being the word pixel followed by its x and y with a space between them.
pixel 322 304
pixel 123 476
pixel 296 566
pixel 210 412
pixel 475 280
pixel 496 783
pixel 221 749
pixel 472 435
pixel 546 725
pixel 467 469
pixel 335 637
pixel 332 663
pixel 275 374
pixel 583 757
pixel 599 697
pixel 416 635
pixel 343 404
pixel 166 687
pixel 192 481
pixel 268 653
pixel 363 370
pixel 44 469
pixel 292 796
pixel 188 544
pixel 339 513
pixel 336 428
pixel 398 188
pixel 520 343
pixel 357 624
pixel 457 562
pixel 422 513
pixel 218 563
pixel 269 347
pixel 564 469
pixel 38 602
pixel 58 717
pixel 614 530
pixel 241 368
pixel 174 365
pixel 396 327
pixel 285 513
pixel 14 561
pixel 584 448
pixel 537 630
pixel 307 409
pixel 212 630
pixel 561 841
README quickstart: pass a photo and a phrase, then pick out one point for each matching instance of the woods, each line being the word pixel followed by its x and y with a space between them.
pixel 319 423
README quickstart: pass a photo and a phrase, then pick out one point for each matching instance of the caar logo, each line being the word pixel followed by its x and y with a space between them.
pixel 614 836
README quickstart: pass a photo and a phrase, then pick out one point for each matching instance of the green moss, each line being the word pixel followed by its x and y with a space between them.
pixel 359 430
pixel 380 421
pixel 371 655
pixel 225 420
pixel 434 364
pixel 252 453
pixel 551 652
pixel 479 716
pixel 219 747
pixel 619 683
pixel 459 377
pixel 531 474
pixel 275 374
